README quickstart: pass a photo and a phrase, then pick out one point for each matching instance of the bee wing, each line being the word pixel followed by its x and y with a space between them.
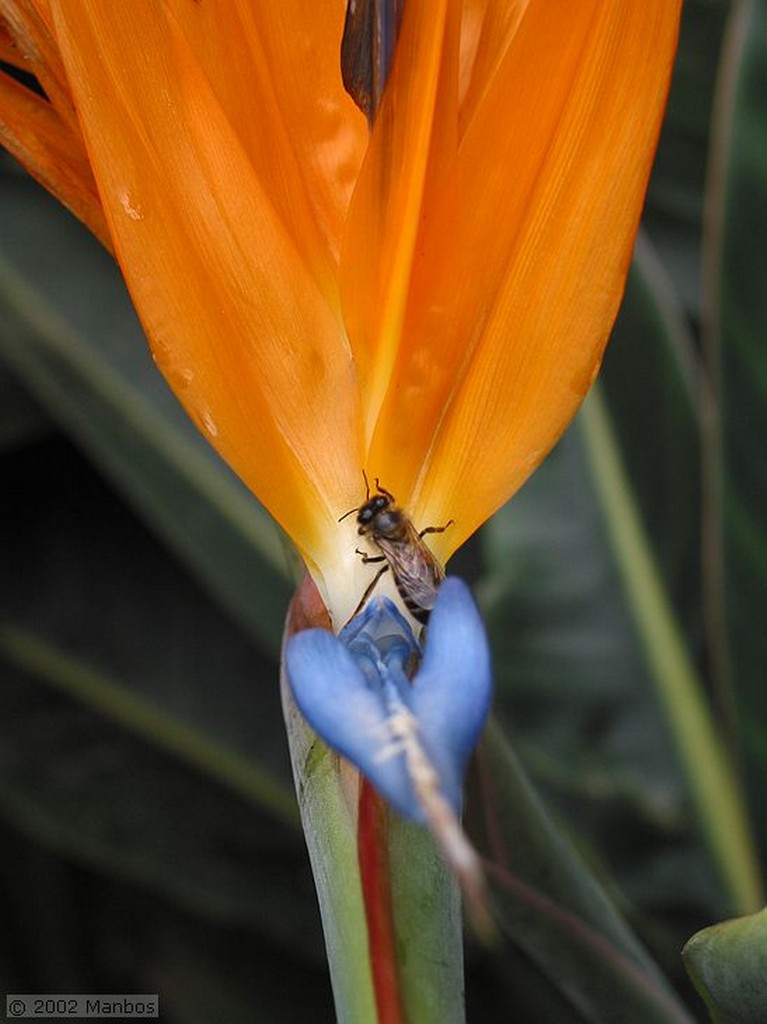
pixel 422 592
pixel 416 571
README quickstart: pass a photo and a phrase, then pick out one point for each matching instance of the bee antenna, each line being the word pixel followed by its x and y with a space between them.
pixel 367 497
pixel 382 490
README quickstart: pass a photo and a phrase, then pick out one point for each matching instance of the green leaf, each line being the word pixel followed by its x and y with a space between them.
pixel 212 975
pixel 735 331
pixel 68 330
pixel 21 419
pixel 107 796
pixel 89 928
pixel 728 963
pixel 651 381
pixel 140 731
pixel 551 907
pixel 714 785
pixel 92 585
pixel 573 687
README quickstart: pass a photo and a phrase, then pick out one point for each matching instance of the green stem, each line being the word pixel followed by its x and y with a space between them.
pixel 713 783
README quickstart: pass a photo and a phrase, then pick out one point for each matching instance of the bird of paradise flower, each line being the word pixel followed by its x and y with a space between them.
pixel 429 299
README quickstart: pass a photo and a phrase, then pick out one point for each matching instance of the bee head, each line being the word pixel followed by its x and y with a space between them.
pixel 368 512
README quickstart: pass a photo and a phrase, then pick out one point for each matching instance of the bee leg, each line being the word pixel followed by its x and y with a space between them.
pixel 436 529
pixel 366 558
pixel 371 587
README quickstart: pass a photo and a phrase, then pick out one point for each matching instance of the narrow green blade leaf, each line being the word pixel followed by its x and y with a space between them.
pixel 574 688
pixel 21 419
pixel 553 908
pixel 141 732
pixel 87 583
pixel 651 381
pixel 713 783
pixel 113 784
pixel 736 327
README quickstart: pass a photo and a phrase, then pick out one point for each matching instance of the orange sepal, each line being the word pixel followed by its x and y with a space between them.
pixel 280 88
pixel 390 199
pixel 506 330
pixel 236 322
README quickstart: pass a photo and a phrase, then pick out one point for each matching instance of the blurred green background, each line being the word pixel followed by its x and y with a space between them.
pixel 149 836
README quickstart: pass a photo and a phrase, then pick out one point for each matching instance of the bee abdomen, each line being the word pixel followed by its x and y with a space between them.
pixel 419 613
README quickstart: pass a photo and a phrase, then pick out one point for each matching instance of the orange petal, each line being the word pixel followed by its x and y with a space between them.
pixel 509 332
pixel 34 133
pixel 236 322
pixel 8 50
pixel 279 84
pixel 330 135
pixel 411 134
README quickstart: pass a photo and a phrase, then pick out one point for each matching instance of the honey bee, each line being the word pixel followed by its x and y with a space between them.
pixel 417 573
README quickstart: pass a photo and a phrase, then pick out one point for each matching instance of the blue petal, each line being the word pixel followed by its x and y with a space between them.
pixel 336 696
pixel 382 641
pixel 379 618
pixel 452 691
pixel 349 688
